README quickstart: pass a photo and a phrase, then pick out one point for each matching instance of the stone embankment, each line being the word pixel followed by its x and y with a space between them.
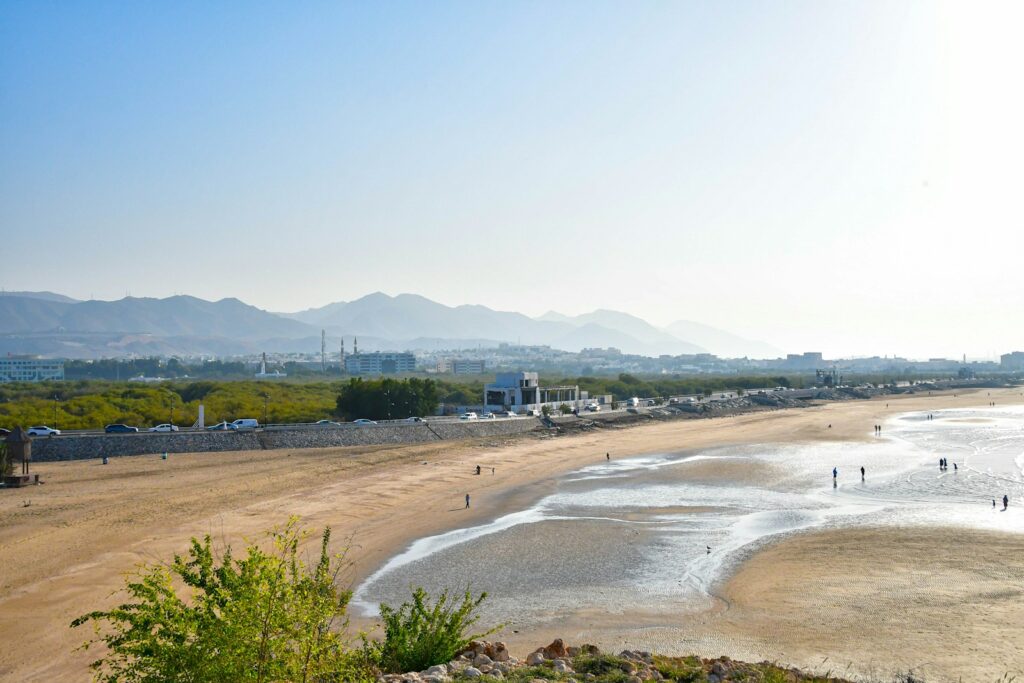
pixel 484 661
pixel 84 446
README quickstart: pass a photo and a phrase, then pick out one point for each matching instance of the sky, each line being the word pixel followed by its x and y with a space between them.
pixel 834 176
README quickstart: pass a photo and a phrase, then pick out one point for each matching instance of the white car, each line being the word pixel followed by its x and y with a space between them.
pixel 363 421
pixel 43 430
pixel 509 413
pixel 487 416
pixel 165 427
pixel 593 407
pixel 415 419
pixel 468 416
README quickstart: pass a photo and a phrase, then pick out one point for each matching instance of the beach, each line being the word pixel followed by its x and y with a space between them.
pixel 65 545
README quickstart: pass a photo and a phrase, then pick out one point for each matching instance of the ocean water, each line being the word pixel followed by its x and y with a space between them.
pixel 660 531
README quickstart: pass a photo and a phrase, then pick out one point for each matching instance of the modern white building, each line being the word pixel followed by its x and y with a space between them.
pixel 24 369
pixel 521 391
pixel 468 367
pixel 378 363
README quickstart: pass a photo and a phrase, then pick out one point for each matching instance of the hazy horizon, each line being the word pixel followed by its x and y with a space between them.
pixel 833 177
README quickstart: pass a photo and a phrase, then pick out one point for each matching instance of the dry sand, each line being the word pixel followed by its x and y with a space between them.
pixel 65 546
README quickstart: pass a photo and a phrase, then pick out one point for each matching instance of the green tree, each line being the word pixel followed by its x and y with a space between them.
pixel 386 399
pixel 267 617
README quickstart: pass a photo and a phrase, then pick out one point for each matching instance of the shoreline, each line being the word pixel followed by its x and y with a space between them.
pixel 382 498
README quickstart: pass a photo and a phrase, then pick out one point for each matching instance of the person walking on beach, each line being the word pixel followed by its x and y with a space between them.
pixel 1006 501
pixel 835 472
pixel 955 468
pixel 467 501
pixel 478 472
pixel 608 457
pixel 862 472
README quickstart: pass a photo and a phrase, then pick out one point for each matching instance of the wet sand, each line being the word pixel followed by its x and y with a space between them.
pixel 64 546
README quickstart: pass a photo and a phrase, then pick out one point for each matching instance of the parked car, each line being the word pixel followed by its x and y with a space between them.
pixel 43 430
pixel 593 407
pixel 328 423
pixel 246 423
pixel 468 416
pixel 533 413
pixel 509 413
pixel 415 419
pixel 364 421
pixel 120 429
pixel 165 427
pixel 487 416
pixel 4 433
pixel 222 427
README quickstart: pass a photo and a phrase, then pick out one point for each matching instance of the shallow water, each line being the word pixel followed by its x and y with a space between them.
pixel 659 531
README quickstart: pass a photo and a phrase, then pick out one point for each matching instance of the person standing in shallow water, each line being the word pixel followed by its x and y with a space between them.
pixel 1006 501
pixel 862 473
pixel 608 456
pixel 467 501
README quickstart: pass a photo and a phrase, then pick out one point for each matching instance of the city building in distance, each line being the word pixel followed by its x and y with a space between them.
pixel 30 369
pixel 379 363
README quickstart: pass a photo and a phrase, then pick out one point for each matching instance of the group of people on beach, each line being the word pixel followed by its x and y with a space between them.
pixel 878 429
pixel 944 464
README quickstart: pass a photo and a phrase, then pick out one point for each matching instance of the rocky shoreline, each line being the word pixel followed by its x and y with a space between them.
pixel 489 662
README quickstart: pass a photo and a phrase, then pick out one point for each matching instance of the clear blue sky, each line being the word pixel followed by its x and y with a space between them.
pixel 839 176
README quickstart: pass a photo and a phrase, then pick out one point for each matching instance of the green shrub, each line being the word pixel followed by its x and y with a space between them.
pixel 418 635
pixel 680 669
pixel 267 617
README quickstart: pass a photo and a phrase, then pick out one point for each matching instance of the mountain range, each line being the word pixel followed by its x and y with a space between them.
pixel 55 325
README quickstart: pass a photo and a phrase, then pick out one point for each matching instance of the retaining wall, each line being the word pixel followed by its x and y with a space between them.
pixel 84 446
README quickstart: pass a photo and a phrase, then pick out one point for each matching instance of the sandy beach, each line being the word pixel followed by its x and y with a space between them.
pixel 937 599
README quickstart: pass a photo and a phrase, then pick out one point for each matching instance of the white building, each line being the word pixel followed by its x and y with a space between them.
pixel 378 363
pixel 521 391
pixel 468 367
pixel 23 369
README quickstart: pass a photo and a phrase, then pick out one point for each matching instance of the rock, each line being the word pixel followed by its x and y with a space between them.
pixel 556 650
pixel 589 649
pixel 634 679
pixel 572 651
pixel 472 672
pixel 561 666
pixel 436 670
pixel 718 669
pixel 500 653
pixel 534 658
pixel 481 660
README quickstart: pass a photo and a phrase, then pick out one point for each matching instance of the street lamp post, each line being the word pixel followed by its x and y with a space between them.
pixel 56 400
pixel 265 398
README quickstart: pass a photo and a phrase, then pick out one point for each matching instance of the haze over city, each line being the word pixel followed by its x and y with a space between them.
pixel 836 177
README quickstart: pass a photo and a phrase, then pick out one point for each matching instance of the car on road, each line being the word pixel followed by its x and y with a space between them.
pixel 468 416
pixel 246 423
pixel 165 427
pixel 364 421
pixel 328 423
pixel 509 413
pixel 487 416
pixel 4 433
pixel 533 413
pixel 222 427
pixel 415 419
pixel 593 407
pixel 120 429
pixel 43 430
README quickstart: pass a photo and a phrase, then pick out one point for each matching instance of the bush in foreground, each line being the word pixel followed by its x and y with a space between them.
pixel 418 635
pixel 267 617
